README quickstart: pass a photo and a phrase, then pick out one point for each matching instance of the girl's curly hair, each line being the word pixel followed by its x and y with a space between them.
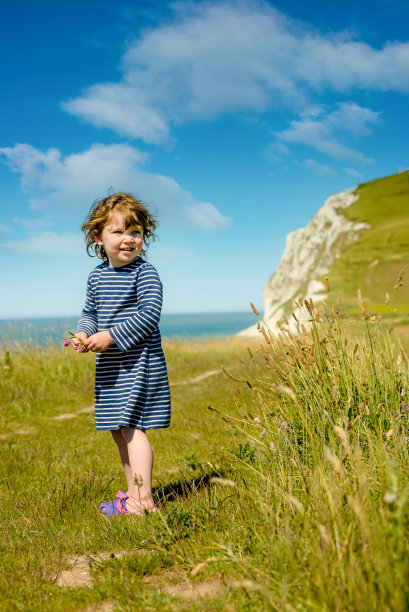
pixel 133 211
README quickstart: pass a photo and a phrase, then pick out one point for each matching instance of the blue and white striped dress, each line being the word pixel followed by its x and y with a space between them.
pixel 131 381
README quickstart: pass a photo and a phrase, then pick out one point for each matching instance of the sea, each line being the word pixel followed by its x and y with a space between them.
pixel 43 331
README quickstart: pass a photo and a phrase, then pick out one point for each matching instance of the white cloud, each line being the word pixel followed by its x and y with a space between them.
pixel 5 231
pixel 321 133
pixel 353 118
pixel 222 57
pixel 46 243
pixel 68 185
pixel 354 173
pixel 317 168
pixel 119 106
pixel 275 151
pixel 33 224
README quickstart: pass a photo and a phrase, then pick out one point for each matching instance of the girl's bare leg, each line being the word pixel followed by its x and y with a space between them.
pixel 123 453
pixel 140 463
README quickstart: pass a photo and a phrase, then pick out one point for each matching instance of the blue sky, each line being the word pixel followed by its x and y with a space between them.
pixel 234 120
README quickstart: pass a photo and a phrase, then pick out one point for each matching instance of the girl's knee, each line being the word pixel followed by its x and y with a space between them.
pixel 131 433
pixel 117 436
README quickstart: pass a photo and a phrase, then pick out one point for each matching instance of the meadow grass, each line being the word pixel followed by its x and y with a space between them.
pixel 290 493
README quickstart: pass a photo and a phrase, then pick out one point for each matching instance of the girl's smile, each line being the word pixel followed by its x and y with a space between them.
pixel 122 244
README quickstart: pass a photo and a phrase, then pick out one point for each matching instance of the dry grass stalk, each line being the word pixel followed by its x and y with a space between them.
pixel 287 391
pixel 225 482
pixel 334 461
pixel 342 434
pixel 200 566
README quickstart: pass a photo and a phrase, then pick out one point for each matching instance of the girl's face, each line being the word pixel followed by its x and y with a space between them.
pixel 122 245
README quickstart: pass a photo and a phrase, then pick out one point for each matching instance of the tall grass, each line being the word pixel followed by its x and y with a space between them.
pixel 320 469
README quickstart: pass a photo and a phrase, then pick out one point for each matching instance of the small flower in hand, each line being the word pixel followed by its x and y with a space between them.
pixel 80 347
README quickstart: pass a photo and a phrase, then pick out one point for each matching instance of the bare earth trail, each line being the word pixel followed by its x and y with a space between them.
pixel 79 569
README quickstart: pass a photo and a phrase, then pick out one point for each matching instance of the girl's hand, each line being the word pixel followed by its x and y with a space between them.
pixel 99 342
pixel 77 345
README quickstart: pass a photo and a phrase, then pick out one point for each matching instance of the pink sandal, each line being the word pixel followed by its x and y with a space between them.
pixel 115 507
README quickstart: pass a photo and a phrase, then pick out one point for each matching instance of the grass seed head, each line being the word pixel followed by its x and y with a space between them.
pixel 265 336
pixel 362 306
pixel 254 309
pixel 399 281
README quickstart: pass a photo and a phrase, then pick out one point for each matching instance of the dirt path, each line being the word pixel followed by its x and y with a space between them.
pixel 87 409
pixel 78 571
pixel 196 379
pixel 170 582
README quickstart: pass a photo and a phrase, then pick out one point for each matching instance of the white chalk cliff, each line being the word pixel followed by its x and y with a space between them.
pixel 308 255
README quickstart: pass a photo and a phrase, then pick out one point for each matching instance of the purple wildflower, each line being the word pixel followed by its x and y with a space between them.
pixel 66 343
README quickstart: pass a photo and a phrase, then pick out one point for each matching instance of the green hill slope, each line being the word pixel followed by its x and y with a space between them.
pixel 374 262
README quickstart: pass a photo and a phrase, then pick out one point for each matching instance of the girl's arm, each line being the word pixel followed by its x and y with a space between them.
pixel 88 322
pixel 139 326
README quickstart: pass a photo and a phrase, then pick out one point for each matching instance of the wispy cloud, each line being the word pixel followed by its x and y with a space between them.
pixel 46 243
pixel 221 57
pixel 276 150
pixel 68 185
pixel 354 173
pixel 317 168
pixel 324 132
pixel 5 231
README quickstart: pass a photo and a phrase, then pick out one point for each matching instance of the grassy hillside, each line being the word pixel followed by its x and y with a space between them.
pixel 374 262
pixel 291 493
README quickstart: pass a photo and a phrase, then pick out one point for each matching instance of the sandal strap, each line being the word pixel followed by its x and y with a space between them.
pixel 120 506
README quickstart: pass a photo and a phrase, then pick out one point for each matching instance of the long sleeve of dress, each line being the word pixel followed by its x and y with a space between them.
pixel 139 326
pixel 88 322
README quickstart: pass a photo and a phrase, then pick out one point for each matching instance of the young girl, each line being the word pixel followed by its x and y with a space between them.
pixel 120 323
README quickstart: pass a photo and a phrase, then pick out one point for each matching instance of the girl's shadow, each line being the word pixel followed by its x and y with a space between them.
pixel 185 486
